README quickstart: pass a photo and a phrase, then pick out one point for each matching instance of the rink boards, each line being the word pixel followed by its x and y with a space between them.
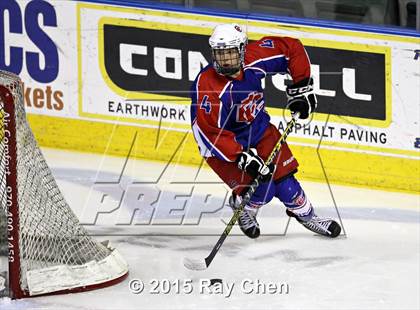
pixel 113 79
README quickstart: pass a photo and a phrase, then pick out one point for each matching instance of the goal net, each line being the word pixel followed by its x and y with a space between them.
pixel 48 250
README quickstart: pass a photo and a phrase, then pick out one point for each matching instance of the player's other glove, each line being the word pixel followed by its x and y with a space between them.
pixel 301 97
pixel 254 165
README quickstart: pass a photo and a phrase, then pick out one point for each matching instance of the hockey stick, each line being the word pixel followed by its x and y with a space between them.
pixel 201 264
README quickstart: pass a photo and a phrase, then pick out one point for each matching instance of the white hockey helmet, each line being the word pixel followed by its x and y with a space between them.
pixel 228 37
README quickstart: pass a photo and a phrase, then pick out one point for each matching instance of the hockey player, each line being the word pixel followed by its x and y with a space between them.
pixel 233 130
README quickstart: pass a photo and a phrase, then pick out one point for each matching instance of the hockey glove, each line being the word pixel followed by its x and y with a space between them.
pixel 301 98
pixel 252 164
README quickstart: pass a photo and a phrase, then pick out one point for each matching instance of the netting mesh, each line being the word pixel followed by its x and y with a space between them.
pixel 49 232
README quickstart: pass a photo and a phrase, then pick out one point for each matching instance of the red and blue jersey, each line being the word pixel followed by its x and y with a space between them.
pixel 228 115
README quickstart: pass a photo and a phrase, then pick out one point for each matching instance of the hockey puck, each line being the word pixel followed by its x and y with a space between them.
pixel 214 281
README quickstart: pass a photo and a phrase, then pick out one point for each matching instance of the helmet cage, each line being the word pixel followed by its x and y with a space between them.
pixel 237 58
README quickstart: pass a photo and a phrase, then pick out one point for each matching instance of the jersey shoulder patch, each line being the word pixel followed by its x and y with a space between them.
pixel 266 43
pixel 263 48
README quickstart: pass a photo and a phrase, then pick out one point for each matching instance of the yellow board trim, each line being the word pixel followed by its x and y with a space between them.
pixel 353 147
pixel 367 170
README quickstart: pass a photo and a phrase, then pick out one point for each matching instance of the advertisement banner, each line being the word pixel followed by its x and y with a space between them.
pixel 37 42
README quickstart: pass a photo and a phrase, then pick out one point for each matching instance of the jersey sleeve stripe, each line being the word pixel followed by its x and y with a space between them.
pixel 224 89
pixel 256 68
pixel 204 151
pixel 210 145
pixel 219 120
pixel 264 59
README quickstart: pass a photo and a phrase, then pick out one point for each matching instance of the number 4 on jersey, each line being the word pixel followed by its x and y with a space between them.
pixel 205 105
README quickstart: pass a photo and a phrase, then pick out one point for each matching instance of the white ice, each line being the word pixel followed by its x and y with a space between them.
pixel 374 264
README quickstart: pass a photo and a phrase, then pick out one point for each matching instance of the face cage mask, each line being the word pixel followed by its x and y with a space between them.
pixel 228 70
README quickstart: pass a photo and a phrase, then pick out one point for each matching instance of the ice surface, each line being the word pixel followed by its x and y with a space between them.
pixel 150 211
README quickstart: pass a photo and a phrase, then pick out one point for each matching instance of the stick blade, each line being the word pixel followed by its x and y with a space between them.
pixel 195 264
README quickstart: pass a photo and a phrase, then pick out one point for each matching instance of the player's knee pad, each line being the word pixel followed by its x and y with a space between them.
pixel 292 195
pixel 263 195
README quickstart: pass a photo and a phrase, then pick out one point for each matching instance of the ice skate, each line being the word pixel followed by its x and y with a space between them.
pixel 247 220
pixel 323 226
